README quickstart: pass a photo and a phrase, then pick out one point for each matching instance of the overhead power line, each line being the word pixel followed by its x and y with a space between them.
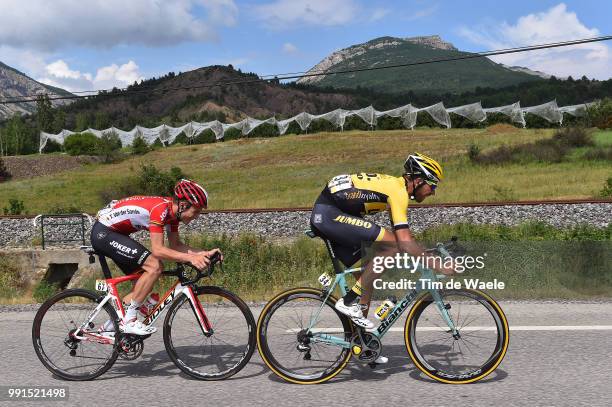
pixel 306 74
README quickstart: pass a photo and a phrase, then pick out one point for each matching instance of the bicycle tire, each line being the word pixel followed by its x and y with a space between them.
pixel 436 369
pixel 40 348
pixel 268 355
pixel 180 358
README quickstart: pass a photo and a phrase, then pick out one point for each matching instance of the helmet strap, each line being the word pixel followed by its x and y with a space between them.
pixel 181 208
pixel 415 187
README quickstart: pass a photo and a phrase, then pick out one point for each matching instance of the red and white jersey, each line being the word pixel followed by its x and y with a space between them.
pixel 136 213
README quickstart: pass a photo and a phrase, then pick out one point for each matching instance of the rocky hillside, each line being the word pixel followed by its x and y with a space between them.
pixel 454 77
pixel 15 84
pixel 204 101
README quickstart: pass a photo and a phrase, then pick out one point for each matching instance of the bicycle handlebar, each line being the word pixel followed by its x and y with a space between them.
pixel 183 274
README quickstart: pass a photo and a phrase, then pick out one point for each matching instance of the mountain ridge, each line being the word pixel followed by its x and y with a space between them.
pixel 16 84
pixel 454 76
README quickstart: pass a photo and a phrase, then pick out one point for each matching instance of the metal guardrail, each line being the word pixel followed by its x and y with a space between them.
pixel 81 218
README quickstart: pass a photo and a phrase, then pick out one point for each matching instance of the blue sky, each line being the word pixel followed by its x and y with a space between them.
pixel 97 44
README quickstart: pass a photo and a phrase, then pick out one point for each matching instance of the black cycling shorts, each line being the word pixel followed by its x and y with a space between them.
pixel 128 254
pixel 345 232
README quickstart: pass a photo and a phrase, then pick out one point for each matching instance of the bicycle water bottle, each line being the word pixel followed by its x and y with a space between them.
pixel 149 304
pixel 383 309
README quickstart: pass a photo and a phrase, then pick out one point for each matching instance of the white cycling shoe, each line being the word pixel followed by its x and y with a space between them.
pixel 381 360
pixel 355 312
pixel 135 327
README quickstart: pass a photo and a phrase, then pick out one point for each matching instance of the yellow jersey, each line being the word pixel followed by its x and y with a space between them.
pixel 363 193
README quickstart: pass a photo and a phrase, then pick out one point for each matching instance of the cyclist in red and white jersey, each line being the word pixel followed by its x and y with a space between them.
pixel 110 237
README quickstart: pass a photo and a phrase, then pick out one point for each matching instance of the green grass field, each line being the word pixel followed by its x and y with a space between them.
pixel 291 170
pixel 534 260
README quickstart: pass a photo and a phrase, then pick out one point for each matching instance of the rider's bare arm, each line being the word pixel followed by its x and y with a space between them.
pixel 199 260
pixel 407 243
pixel 175 243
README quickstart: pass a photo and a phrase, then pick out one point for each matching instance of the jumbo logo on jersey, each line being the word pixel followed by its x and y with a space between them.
pixel 123 248
pixel 353 221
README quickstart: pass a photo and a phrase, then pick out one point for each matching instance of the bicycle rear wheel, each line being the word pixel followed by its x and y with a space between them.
pixel 63 349
pixel 477 349
pixel 290 349
pixel 220 355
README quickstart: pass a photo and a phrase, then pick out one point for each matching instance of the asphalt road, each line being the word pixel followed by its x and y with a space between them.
pixel 560 355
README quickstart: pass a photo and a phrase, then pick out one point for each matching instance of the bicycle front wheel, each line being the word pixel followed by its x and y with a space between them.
pixel 298 336
pixel 68 351
pixel 218 355
pixel 473 352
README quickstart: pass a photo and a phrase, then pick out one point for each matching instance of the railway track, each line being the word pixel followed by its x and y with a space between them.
pixel 440 205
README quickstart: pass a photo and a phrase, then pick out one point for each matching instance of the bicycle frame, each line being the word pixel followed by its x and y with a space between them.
pixel 109 285
pixel 392 316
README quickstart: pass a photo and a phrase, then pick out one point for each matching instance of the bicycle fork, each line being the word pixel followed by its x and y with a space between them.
pixel 444 313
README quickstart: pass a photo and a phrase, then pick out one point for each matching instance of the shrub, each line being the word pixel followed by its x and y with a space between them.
pixel 602 153
pixel 43 291
pixel 149 181
pixel 11 284
pixel 606 192
pixel 81 144
pixel 16 207
pixel 473 152
pixel 552 150
pixel 573 137
pixel 139 146
pixel 108 147
pixel 601 114
pixel 152 181
pixel 4 173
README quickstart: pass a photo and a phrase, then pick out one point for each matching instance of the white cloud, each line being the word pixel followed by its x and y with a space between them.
pixel 287 13
pixel 379 14
pixel 115 75
pixel 47 26
pixel 553 25
pixel 289 48
pixel 59 74
pixel 422 13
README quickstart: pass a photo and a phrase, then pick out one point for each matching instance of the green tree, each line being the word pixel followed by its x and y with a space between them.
pixel 81 144
pixel 59 121
pixel 601 114
pixel 44 113
pixel 4 173
pixel 82 121
pixel 108 146
pixel 139 146
pixel 102 121
pixel 17 134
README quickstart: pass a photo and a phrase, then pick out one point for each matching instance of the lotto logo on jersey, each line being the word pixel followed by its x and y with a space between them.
pixel 352 221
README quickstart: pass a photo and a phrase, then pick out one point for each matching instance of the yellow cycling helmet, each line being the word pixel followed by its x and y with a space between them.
pixel 419 164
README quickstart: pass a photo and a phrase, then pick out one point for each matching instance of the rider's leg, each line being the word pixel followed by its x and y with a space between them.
pixel 152 269
pixel 366 279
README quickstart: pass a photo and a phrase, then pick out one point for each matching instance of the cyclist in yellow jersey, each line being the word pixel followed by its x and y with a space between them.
pixel 338 216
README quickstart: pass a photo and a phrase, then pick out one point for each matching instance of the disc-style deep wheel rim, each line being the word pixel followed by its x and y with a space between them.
pixel 292 350
pixel 216 356
pixel 67 352
pixel 477 349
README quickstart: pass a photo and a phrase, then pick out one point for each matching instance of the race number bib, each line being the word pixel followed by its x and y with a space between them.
pixel 340 183
pixel 101 285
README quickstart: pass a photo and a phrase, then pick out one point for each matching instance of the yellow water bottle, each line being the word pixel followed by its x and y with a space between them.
pixel 383 309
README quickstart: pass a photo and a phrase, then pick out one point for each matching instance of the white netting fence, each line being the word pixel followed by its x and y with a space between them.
pixel 407 114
